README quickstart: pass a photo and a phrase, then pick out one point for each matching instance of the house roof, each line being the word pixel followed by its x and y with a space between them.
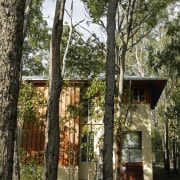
pixel 35 78
pixel 155 84
pixel 101 76
pixel 139 78
pixel 43 78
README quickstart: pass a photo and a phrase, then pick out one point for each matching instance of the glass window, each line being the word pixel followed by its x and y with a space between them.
pixel 84 148
pixel 138 95
pixel 132 147
pixel 87 147
pixel 86 104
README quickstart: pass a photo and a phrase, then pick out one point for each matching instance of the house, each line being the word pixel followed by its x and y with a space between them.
pixel 81 150
pixel 137 150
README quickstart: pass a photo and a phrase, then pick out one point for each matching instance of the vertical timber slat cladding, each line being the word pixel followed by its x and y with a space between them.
pixel 33 141
pixel 33 136
pixel 69 144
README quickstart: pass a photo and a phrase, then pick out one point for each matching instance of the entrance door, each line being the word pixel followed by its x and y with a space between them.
pixel 134 171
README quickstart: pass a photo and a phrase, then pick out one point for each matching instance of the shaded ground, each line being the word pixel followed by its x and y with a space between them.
pixel 160 174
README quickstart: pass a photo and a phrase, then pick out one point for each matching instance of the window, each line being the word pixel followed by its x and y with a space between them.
pixel 87 104
pixel 138 95
pixel 132 147
pixel 84 148
pixel 87 147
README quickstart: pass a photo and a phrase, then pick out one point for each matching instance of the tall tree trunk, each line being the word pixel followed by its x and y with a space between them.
pixel 55 86
pixel 174 156
pixel 167 148
pixel 121 56
pixel 118 135
pixel 11 42
pixel 16 168
pixel 109 94
pixel 27 16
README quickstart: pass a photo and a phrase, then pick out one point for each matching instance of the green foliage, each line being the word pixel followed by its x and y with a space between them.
pixel 30 170
pixel 37 30
pixel 73 110
pixel 156 9
pixel 95 92
pixel 29 103
pixel 135 21
pixel 84 58
pixel 93 102
pixel 139 17
pixel 173 110
pixel 96 86
pixel 157 145
pixel 36 43
pixel 146 15
pixel 96 8
pixel 164 53
pixel 137 61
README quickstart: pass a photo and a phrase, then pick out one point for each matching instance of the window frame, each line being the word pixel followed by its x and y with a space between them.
pixel 129 149
pixel 87 147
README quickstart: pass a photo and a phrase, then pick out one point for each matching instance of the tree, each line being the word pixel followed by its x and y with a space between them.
pixel 11 42
pixel 35 36
pixel 109 93
pixel 84 59
pixel 58 62
pixel 55 86
pixel 137 61
pixel 164 58
pixel 135 21
pixel 36 40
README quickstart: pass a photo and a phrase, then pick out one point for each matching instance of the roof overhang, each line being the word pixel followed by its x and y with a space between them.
pixel 154 84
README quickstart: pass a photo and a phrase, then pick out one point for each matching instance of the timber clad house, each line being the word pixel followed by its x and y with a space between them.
pixel 81 150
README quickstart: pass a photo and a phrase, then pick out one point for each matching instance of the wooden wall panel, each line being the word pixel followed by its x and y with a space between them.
pixel 33 134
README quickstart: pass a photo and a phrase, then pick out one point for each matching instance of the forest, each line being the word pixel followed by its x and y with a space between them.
pixel 142 39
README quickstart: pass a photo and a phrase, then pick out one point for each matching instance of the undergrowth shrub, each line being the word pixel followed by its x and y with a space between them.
pixel 30 170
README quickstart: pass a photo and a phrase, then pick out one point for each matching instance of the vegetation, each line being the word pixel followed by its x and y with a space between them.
pixel 30 170
pixel 85 58
pixel 36 42
pixel 165 62
pixel 142 39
